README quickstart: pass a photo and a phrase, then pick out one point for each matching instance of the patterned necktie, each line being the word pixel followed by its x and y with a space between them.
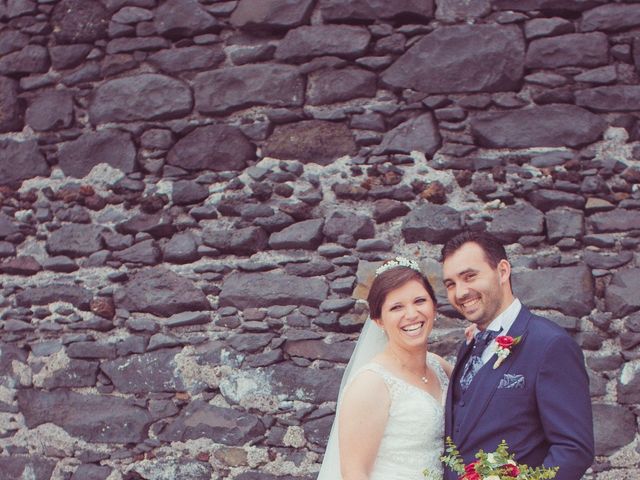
pixel 474 362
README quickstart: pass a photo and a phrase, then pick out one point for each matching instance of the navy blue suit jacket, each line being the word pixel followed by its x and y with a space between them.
pixel 547 420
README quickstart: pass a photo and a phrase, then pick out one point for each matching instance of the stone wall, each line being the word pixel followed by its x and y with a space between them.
pixel 194 194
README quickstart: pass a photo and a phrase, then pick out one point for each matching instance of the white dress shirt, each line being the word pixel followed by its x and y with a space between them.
pixel 504 322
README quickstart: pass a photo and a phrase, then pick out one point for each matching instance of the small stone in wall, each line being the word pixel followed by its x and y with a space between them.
pixel 306 42
pixel 461 58
pixel 271 14
pixel 148 96
pixel 309 141
pixel 79 21
pixel 11 107
pixel 183 18
pixel 20 160
pixel 113 147
pixel 212 147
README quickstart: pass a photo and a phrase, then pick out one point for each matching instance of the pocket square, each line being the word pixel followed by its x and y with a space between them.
pixel 511 381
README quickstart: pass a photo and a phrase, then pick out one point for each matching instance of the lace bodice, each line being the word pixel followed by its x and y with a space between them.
pixel 413 437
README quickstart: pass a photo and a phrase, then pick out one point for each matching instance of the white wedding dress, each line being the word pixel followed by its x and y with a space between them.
pixel 413 437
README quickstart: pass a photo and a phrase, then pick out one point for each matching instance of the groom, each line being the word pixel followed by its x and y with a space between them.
pixel 537 399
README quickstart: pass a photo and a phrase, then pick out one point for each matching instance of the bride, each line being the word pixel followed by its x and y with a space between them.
pixel 390 418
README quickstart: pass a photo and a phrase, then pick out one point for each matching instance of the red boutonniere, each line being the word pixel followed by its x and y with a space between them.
pixel 504 345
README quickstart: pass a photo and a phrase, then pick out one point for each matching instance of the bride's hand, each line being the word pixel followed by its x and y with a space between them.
pixel 470 332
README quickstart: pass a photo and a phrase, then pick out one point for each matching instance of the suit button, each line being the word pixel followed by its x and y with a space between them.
pixel 461 403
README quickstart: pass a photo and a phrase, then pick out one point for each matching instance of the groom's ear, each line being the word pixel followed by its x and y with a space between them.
pixel 504 271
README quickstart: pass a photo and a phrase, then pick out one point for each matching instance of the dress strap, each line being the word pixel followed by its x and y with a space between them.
pixel 439 371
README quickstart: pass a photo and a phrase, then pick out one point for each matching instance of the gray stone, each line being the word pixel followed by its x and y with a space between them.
pixel 52 110
pixel 340 11
pixel 464 58
pixel 29 466
pixel 313 268
pixel 212 147
pixel 355 225
pixel 545 199
pixel 539 289
pixel 606 261
pixel 55 292
pixel 21 265
pixel 148 96
pixel 309 141
pixel 573 49
pixel 158 224
pixel 319 350
pixel 78 373
pixel 556 5
pixel 68 56
pixel 232 88
pixel 610 18
pixel 544 126
pixel 79 21
pixel 113 147
pixel 388 209
pixel 271 14
pixel 178 60
pixel 317 430
pixel 244 241
pixel 420 133
pixel 512 222
pixel 183 18
pixel 143 253
pixel 93 418
pixel 546 27
pixel 297 383
pixel 12 40
pixel 242 290
pixel 618 220
pixel 564 223
pixel 31 59
pixel 132 15
pixel 614 426
pixel 628 387
pixel 75 240
pixel 220 425
pixel 8 226
pixel 250 342
pixel 6 249
pixel 306 42
pixel 431 223
pixel 187 192
pixel 186 319
pixel 150 372
pixel 306 235
pixel 621 297
pixel 130 45
pixel 330 86
pixel 614 98
pixel 161 341
pixel 182 248
pixel 90 349
pixel 161 292
pixel 91 472
pixel 451 11
pixel 11 108
pixel 598 76
pixel 20 160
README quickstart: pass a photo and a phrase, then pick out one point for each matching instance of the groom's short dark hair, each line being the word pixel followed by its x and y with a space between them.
pixel 492 247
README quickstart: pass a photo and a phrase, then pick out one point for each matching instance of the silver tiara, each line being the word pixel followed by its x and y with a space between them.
pixel 398 262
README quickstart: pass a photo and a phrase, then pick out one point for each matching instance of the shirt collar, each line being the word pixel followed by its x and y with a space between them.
pixel 504 321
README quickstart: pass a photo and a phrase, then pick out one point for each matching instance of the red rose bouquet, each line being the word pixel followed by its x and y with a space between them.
pixel 498 465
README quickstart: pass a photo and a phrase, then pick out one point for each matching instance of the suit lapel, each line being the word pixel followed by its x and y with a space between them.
pixel 484 387
pixel 460 359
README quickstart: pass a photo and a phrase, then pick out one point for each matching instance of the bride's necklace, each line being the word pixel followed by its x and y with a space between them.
pixel 424 379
